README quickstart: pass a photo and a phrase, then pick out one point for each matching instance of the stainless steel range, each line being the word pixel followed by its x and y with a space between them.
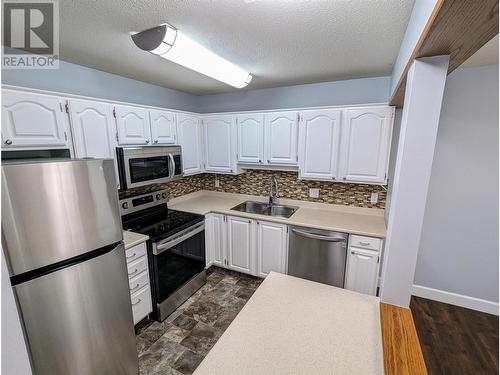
pixel 176 248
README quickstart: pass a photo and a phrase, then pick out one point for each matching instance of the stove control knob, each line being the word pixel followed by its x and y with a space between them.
pixel 163 195
pixel 125 205
pixel 158 196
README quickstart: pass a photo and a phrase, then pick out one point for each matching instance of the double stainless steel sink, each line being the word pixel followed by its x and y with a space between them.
pixel 262 208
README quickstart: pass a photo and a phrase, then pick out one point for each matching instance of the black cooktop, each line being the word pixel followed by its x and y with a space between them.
pixel 159 222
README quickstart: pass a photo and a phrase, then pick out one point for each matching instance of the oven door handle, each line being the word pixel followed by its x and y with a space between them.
pixel 184 235
pixel 172 163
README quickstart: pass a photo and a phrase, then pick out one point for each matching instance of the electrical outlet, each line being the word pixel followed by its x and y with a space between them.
pixel 216 182
pixel 374 198
pixel 313 193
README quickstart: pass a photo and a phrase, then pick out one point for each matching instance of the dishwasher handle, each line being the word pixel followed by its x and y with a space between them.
pixel 319 236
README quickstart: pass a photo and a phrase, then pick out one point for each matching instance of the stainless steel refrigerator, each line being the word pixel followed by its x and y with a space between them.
pixel 62 238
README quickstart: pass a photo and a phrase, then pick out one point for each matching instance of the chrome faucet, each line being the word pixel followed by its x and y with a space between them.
pixel 273 190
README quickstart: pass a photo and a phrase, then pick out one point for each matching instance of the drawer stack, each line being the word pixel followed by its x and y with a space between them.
pixel 138 274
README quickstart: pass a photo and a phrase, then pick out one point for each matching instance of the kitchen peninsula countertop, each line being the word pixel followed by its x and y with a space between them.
pixel 354 220
pixel 295 326
pixel 132 239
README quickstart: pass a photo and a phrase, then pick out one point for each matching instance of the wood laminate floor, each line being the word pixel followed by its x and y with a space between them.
pixel 455 340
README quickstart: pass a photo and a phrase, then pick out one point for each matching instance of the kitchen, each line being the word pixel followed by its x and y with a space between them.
pixel 198 226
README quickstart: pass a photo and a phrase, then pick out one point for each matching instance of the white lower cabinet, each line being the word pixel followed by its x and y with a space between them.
pixel 363 260
pixel 215 239
pixel 138 273
pixel 245 245
pixel 241 240
pixel 272 248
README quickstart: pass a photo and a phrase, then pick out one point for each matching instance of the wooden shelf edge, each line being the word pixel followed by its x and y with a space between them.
pixel 445 34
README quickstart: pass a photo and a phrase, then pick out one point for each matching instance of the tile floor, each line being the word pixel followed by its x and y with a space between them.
pixel 178 344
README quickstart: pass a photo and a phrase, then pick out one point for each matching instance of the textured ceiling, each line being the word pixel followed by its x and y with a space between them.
pixel 281 42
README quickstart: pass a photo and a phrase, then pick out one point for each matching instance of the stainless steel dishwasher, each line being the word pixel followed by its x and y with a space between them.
pixel 318 255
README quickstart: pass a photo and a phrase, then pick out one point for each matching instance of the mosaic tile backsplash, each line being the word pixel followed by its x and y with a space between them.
pixel 256 182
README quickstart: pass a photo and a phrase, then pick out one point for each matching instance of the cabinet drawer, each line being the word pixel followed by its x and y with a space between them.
pixel 136 267
pixel 135 252
pixel 141 304
pixel 365 242
pixel 138 282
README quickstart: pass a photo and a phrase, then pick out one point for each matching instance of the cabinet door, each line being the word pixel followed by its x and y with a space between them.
pixel 216 244
pixel 163 127
pixel 362 271
pixel 132 124
pixel 32 120
pixel 219 155
pixel 366 139
pixel 93 130
pixel 281 138
pixel 319 143
pixel 272 248
pixel 189 129
pixel 250 138
pixel 240 244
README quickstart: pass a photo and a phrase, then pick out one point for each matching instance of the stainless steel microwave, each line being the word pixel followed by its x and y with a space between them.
pixel 140 166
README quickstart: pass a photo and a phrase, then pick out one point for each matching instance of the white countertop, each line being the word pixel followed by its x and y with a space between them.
pixel 355 220
pixel 132 239
pixel 296 326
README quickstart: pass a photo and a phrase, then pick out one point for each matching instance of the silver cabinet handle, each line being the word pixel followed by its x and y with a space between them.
pixel 135 303
pixel 156 141
pixel 147 140
pixel 133 273
pixel 364 243
pixel 135 287
pixel 8 142
pixel 319 236
pixel 131 256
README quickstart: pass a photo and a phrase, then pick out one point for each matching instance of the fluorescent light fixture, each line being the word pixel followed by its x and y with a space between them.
pixel 171 44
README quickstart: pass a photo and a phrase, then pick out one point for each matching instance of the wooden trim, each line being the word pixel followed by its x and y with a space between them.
pixel 457 28
pixel 402 352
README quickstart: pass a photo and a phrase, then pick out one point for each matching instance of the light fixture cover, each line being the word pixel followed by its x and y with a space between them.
pixel 169 43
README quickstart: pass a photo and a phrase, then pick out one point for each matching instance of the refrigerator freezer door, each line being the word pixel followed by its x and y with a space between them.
pixel 55 210
pixel 78 320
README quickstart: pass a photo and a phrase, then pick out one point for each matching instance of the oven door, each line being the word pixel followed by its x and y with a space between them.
pixel 177 260
pixel 145 167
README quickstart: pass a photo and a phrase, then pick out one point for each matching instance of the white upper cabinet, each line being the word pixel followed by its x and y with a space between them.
pixel 190 139
pixel 366 138
pixel 319 142
pixel 272 248
pixel 132 124
pixel 163 127
pixel 92 128
pixel 281 138
pixel 250 138
pixel 240 244
pixel 219 143
pixel 32 120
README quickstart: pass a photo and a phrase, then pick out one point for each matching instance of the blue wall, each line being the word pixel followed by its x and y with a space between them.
pixel 422 10
pixel 80 80
pixel 354 91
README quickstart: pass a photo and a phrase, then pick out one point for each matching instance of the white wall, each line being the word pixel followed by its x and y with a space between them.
pixel 15 359
pixel 459 242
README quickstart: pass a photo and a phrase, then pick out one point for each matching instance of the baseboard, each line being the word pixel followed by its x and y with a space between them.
pixel 456 299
